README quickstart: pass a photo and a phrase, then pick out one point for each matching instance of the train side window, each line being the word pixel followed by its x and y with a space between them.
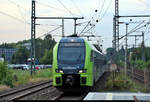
pixel 93 55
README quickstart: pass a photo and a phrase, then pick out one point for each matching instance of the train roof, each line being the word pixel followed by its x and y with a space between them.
pixel 93 47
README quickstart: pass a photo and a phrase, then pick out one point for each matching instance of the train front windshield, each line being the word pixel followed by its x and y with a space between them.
pixel 71 53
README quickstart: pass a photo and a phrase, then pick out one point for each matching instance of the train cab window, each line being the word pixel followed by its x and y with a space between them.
pixel 71 53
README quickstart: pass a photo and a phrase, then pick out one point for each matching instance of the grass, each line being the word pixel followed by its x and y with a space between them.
pixel 3 87
pixel 23 76
pixel 121 83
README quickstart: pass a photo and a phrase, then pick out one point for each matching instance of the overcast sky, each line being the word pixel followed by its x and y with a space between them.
pixel 15 17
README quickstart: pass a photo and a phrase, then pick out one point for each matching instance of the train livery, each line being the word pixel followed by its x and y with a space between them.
pixel 76 62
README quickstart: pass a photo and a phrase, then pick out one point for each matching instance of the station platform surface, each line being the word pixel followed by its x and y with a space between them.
pixel 117 96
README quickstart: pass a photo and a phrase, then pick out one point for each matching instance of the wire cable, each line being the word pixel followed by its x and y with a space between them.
pixel 98 4
pixel 13 17
pixel 19 9
pixel 101 8
pixel 77 7
pixel 145 3
pixel 65 7
pixel 47 5
pixel 101 17
pixel 105 11
pixel 49 32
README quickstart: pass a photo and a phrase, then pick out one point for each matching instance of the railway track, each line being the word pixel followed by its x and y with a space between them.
pixel 81 95
pixel 33 92
pixel 137 75
pixel 26 91
pixel 72 96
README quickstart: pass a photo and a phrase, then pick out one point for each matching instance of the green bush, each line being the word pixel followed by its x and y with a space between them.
pixel 140 64
pixel 118 83
pixel 121 64
pixel 122 83
pixel 46 73
pixel 148 64
pixel 6 75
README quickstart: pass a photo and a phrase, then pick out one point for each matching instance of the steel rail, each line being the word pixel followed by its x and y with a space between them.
pixel 42 85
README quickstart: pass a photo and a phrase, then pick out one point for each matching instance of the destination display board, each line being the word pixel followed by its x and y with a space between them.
pixel 71 44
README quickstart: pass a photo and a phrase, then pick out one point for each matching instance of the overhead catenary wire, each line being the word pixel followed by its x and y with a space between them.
pixel 96 10
pixel 99 19
pixel 85 28
pixel 140 27
pixel 105 11
pixel 19 9
pixel 79 10
pixel 65 7
pixel 50 32
pixel 98 4
pixel 145 3
pixel 49 6
pixel 13 17
pixel 133 30
pixel 19 20
pixel 101 8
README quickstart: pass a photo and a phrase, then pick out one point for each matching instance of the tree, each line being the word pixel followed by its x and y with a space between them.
pixel 6 75
pixel 20 56
pixel 47 58
pixel 3 56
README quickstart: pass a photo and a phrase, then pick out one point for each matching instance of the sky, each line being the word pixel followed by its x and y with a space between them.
pixel 15 18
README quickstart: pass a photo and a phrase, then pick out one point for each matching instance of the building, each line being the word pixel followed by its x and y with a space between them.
pixel 7 53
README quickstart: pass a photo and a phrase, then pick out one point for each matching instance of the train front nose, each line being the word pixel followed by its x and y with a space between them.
pixel 70 80
pixel 71 76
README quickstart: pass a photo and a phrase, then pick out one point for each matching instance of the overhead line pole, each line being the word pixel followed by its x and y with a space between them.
pixel 126 50
pixel 135 38
pixel 74 18
pixel 114 34
pixel 63 28
pixel 117 24
pixel 33 29
pixel 143 56
pixel 75 21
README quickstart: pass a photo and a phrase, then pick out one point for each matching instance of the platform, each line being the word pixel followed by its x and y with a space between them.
pixel 117 96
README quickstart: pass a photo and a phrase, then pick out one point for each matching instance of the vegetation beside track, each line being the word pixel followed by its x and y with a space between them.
pixel 122 83
pixel 10 77
pixel 23 76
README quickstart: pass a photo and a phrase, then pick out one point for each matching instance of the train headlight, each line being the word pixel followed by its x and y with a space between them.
pixel 82 71
pixel 59 71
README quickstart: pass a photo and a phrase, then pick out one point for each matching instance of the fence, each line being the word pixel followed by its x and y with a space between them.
pixel 143 76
